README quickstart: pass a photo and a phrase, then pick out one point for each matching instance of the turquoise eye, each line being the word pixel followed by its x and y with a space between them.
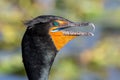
pixel 55 23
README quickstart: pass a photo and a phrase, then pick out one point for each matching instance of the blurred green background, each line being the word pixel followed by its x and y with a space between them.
pixel 85 58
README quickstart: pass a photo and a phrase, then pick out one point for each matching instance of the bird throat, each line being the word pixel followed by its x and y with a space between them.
pixel 60 40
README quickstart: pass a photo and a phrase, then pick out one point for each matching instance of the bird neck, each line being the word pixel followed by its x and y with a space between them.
pixel 38 54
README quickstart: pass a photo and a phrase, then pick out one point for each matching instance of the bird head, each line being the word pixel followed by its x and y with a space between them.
pixel 60 29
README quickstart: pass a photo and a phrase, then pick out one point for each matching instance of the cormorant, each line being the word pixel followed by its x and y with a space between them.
pixel 38 49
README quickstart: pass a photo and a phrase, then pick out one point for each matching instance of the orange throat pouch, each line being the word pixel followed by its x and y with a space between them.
pixel 60 40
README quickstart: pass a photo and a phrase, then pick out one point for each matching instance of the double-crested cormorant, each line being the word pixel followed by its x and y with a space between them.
pixel 38 49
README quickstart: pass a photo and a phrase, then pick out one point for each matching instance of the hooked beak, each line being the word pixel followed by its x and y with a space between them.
pixel 74 33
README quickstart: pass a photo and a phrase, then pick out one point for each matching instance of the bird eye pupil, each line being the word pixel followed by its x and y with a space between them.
pixel 55 23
